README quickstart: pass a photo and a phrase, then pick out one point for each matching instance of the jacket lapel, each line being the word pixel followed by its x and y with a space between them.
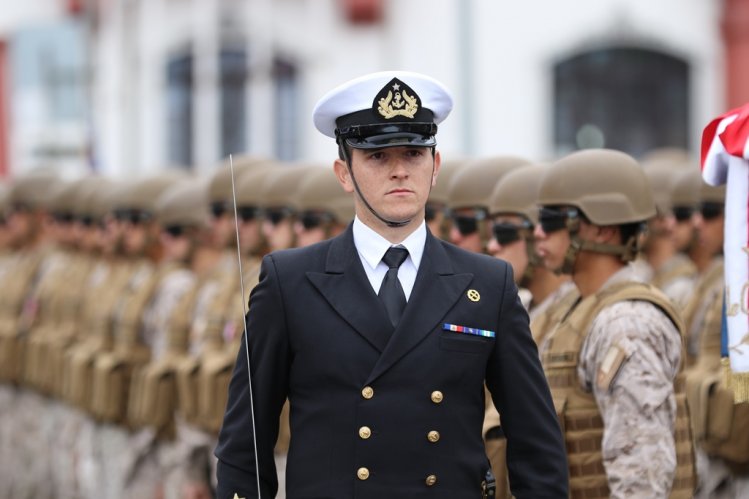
pixel 435 291
pixel 346 287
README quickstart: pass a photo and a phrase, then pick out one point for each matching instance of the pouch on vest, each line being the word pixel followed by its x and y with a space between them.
pixel 213 387
pixel 187 388
pixel 728 429
pixel 12 347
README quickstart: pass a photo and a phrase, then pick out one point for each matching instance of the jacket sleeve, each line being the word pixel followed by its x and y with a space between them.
pixel 536 456
pixel 267 342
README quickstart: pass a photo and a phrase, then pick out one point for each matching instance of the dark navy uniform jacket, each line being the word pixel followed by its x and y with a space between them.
pixel 380 416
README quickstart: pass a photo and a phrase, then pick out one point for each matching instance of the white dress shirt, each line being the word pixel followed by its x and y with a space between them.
pixel 372 247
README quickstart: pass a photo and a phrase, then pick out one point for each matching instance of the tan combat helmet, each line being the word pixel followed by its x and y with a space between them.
pixel 666 157
pixel 33 190
pixel 220 186
pixel 661 179
pixel 517 192
pixel 249 185
pixel 712 194
pixel 609 188
pixel 685 188
pixel 95 200
pixel 183 204
pixel 280 186
pixel 141 195
pixel 472 185
pixel 440 192
pixel 320 191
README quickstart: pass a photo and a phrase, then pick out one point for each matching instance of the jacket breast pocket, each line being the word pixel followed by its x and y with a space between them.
pixel 457 342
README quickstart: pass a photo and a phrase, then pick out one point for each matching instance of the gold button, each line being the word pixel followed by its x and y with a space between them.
pixel 431 480
pixel 365 432
pixel 367 392
pixel 433 436
pixel 362 473
pixel 437 396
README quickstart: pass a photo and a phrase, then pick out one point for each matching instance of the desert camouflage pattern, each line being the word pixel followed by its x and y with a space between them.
pixel 637 405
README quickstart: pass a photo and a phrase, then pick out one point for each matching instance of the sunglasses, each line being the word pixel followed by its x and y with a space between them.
pixel 63 218
pixel 249 213
pixel 134 217
pixel 174 230
pixel 683 213
pixel 711 211
pixel 277 215
pixel 86 220
pixel 506 233
pixel 311 220
pixel 553 220
pixel 218 209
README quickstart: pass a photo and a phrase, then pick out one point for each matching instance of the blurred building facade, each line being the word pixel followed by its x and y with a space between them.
pixel 127 87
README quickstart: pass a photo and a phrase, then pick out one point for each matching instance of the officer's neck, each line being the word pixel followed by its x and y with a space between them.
pixel 394 235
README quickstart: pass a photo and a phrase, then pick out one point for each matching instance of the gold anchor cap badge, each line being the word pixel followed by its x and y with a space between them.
pixel 473 295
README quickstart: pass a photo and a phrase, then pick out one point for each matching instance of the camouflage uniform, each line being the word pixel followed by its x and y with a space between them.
pixel 677 279
pixel 612 362
pixel 638 405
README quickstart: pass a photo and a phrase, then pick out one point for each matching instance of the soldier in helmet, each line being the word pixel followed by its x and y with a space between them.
pixel 324 210
pixel 125 333
pixel 279 214
pixel 670 232
pixel 612 361
pixel 468 195
pixel 702 314
pixel 437 212
pixel 513 214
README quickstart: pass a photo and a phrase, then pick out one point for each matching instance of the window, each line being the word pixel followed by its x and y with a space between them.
pixel 179 109
pixel 233 96
pixel 286 106
pixel 630 99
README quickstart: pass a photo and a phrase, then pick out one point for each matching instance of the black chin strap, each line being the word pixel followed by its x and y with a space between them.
pixel 389 223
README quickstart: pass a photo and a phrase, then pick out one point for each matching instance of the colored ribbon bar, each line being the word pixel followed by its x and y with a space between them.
pixel 468 330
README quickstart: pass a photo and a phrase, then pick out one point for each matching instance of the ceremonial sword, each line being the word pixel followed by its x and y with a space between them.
pixel 244 320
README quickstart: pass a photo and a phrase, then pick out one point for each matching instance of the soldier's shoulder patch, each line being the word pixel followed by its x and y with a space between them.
pixel 610 366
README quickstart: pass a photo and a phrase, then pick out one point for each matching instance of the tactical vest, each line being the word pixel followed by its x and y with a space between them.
pixel 105 288
pixel 153 390
pixel 542 324
pixel 698 317
pixel 206 342
pixel 578 411
pixel 16 309
pixel 680 266
pixel 216 366
pixel 113 370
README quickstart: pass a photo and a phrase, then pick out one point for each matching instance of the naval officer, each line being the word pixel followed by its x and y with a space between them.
pixel 383 337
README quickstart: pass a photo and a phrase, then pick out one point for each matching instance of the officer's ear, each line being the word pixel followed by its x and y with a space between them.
pixel 342 173
pixel 437 163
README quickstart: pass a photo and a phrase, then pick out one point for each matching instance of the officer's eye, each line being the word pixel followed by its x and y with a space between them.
pixel 377 155
pixel 414 153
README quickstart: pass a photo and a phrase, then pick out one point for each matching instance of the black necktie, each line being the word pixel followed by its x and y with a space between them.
pixel 391 292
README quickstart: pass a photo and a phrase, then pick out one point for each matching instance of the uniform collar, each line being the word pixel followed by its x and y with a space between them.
pixel 372 246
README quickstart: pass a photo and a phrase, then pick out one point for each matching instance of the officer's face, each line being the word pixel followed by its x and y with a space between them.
pixel 513 248
pixel 395 181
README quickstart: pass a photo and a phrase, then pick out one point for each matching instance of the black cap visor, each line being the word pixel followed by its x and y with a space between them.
pixel 389 135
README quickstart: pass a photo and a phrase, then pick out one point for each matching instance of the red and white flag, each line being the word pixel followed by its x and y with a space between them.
pixel 725 160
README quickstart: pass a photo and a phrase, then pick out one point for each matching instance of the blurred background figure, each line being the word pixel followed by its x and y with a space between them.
pixel 324 208
pixel 468 199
